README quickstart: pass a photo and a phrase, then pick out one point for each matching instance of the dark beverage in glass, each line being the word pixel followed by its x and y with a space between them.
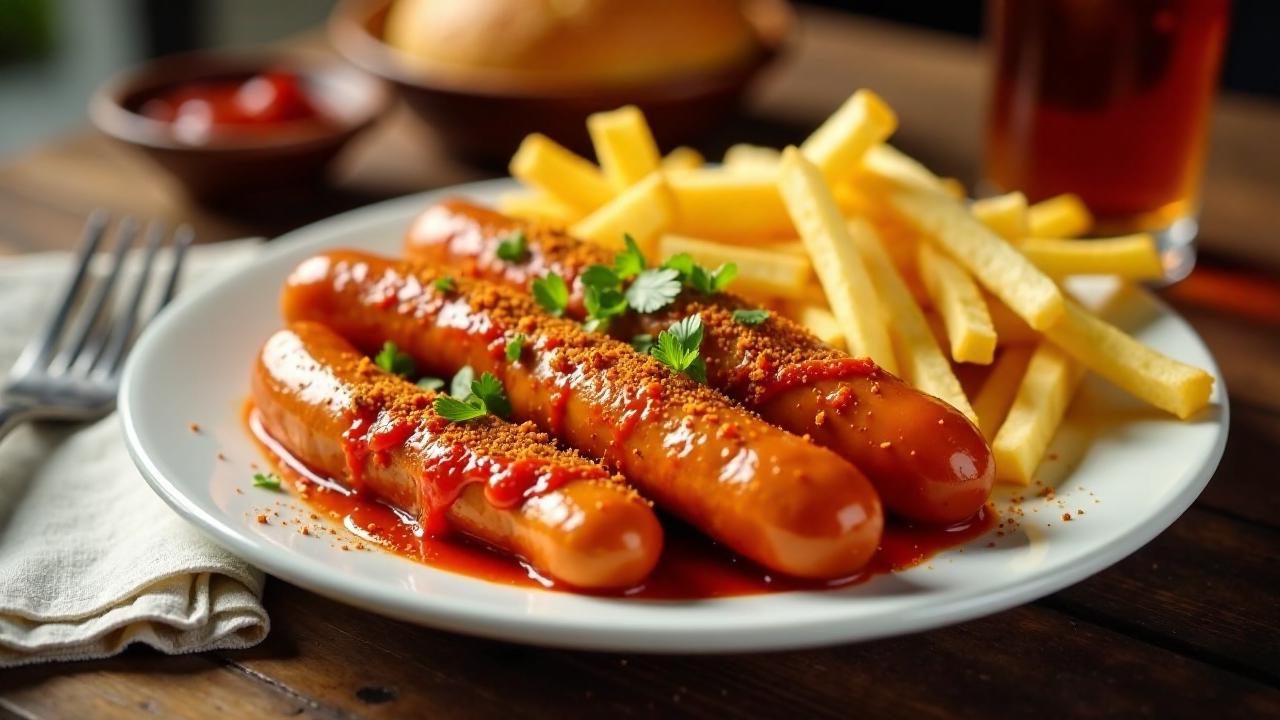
pixel 1110 100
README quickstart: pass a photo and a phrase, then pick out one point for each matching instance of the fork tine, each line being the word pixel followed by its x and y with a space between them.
pixel 182 239
pixel 87 318
pixel 108 360
pixel 41 347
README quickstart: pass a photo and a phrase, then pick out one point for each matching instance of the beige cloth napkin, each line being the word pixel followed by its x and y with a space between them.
pixel 90 559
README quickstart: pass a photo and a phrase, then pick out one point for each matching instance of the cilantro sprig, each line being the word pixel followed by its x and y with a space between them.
pixel 266 481
pixel 707 282
pixel 630 262
pixel 678 347
pixel 515 346
pixel 430 383
pixel 445 284
pixel 515 248
pixel 390 359
pixel 751 317
pixel 470 398
pixel 653 289
pixel 552 293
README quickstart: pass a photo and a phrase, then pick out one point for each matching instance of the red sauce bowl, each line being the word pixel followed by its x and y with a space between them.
pixel 230 158
pixel 484 115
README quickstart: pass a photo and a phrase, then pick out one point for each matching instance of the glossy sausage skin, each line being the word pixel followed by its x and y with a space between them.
pixel 928 462
pixel 773 497
pixel 310 387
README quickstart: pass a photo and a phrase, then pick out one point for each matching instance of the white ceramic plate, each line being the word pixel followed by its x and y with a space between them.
pixel 1137 475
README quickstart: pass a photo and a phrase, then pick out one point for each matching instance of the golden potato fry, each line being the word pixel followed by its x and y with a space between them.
pixel 1133 257
pixel 954 188
pixel 863 121
pixel 958 300
pixel 821 323
pixel 624 146
pixel 915 346
pixel 1038 407
pixel 885 164
pixel 1005 214
pixel 1170 385
pixel 537 205
pixel 1059 216
pixel 682 158
pixel 644 210
pixel 760 270
pixel 739 207
pixel 835 259
pixel 992 402
pixel 545 165
pixel 1010 329
pixel 992 260
pixel 746 157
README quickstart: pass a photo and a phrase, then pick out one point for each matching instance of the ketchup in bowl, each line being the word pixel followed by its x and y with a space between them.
pixel 268 102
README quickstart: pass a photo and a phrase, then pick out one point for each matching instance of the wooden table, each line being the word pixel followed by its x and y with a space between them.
pixel 1189 625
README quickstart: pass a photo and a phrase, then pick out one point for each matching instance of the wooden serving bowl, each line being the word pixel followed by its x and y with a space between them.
pixel 483 115
pixel 233 162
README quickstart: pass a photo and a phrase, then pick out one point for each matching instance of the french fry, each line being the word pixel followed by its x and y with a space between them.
pixel 884 163
pixel 719 205
pixel 915 347
pixel 1005 214
pixel 543 164
pixel 1133 257
pixel 644 210
pixel 958 300
pixel 1010 329
pixel 993 261
pixel 863 121
pixel 992 402
pixel 537 205
pixel 1170 385
pixel 760 270
pixel 954 188
pixel 624 146
pixel 835 259
pixel 1038 407
pixel 822 324
pixel 682 158
pixel 1059 216
pixel 744 157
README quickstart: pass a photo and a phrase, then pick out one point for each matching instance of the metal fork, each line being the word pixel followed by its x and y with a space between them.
pixel 70 371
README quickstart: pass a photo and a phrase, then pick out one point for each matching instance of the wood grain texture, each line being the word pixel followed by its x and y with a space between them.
pixel 1189 625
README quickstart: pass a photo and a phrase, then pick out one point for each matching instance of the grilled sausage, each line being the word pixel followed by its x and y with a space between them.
pixel 928 462
pixel 507 486
pixel 778 499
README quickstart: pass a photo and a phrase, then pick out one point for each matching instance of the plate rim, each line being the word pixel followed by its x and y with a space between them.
pixel 549 631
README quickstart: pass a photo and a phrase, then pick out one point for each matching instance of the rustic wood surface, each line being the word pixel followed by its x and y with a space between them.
pixel 1187 626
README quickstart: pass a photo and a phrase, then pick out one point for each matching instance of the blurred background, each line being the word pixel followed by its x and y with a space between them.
pixel 53 53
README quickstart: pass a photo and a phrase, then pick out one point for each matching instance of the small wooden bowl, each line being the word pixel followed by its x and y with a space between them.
pixel 484 116
pixel 232 162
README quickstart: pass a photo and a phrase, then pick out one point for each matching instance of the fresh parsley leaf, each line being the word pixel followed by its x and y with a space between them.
pixel 751 317
pixel 515 248
pixel 678 348
pixel 681 263
pixel 390 359
pixel 444 284
pixel 551 293
pixel 430 383
pixel 460 386
pixel 699 278
pixel 514 347
pixel 630 262
pixel 602 304
pixel 489 391
pixel 653 289
pixel 642 343
pixel 455 410
pixel 601 277
pixel 267 481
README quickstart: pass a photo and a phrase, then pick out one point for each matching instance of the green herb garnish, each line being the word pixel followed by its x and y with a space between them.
pixel 488 389
pixel 642 343
pixel 430 383
pixel 514 347
pixel 751 317
pixel 444 284
pixel 267 481
pixel 390 359
pixel 455 410
pixel 630 262
pixel 552 294
pixel 484 396
pixel 678 348
pixel 653 289
pixel 515 248
pixel 460 386
pixel 707 282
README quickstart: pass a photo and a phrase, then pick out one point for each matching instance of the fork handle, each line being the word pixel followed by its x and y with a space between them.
pixel 11 416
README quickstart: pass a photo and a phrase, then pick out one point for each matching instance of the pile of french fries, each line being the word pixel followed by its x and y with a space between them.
pixel 908 272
